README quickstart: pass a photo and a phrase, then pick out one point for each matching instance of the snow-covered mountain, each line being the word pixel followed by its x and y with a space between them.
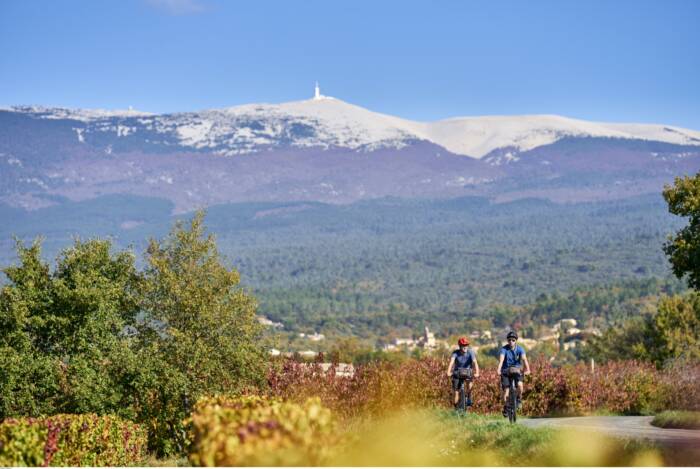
pixel 324 149
pixel 327 122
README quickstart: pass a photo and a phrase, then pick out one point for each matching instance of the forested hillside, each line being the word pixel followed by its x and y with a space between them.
pixel 389 266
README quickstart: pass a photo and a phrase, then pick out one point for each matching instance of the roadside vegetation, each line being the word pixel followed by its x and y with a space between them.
pixel 677 419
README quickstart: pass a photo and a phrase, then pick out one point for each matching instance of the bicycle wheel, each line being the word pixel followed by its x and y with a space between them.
pixel 513 398
pixel 462 397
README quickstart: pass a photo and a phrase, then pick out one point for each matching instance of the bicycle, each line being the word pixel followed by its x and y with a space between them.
pixel 464 375
pixel 512 406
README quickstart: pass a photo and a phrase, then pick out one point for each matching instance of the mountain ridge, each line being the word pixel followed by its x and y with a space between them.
pixel 329 122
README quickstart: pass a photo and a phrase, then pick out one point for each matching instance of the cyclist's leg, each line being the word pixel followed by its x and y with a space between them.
pixel 505 385
pixel 470 384
pixel 455 388
pixel 520 388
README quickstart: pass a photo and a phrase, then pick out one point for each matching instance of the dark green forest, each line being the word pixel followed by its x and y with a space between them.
pixel 379 268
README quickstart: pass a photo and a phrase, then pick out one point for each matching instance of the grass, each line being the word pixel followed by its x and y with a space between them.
pixel 443 438
pixel 677 419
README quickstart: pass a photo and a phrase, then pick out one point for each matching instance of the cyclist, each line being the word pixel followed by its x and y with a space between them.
pixel 463 357
pixel 512 355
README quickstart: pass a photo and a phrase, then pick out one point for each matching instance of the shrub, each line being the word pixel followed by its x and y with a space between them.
pixel 628 387
pixel 71 440
pixel 253 430
pixel 375 388
pixel 677 419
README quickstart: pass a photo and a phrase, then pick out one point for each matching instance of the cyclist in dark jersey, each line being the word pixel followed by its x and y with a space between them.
pixel 463 357
pixel 511 355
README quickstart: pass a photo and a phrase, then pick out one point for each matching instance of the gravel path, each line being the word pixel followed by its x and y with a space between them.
pixel 627 427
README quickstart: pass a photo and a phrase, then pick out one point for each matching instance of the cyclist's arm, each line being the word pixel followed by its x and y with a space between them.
pixel 527 364
pixel 451 365
pixel 476 368
pixel 501 357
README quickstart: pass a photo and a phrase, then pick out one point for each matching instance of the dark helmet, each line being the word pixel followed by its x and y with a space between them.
pixel 463 341
pixel 512 335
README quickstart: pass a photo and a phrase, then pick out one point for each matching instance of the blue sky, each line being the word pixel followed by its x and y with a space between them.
pixel 628 61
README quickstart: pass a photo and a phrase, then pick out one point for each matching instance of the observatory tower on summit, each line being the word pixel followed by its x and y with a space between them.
pixel 318 95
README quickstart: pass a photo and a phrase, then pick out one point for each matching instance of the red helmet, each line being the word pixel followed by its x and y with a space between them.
pixel 463 341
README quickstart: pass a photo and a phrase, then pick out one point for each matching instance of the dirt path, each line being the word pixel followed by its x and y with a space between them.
pixel 627 427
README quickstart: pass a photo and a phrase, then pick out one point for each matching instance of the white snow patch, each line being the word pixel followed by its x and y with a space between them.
pixel 36 181
pixel 123 131
pixel 84 115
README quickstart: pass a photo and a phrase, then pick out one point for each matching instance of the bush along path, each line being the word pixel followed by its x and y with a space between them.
pixel 624 387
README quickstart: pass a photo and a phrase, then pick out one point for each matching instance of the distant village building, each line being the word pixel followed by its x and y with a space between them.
pixel 564 325
pixel 267 322
pixel 308 353
pixel 274 352
pixel 407 342
pixel 427 341
pixel 527 343
pixel 346 370
pixel 315 337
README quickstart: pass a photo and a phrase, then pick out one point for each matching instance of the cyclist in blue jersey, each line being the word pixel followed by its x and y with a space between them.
pixel 463 358
pixel 511 355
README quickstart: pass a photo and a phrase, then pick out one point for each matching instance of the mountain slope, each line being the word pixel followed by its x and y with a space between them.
pixel 330 122
pixel 328 151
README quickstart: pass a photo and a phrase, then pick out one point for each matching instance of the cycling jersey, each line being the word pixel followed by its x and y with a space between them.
pixel 513 357
pixel 463 360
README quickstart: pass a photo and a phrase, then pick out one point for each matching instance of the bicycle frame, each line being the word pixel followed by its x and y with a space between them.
pixel 513 401
pixel 462 402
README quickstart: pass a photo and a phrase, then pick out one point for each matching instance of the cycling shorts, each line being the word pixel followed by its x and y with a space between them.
pixel 505 381
pixel 455 383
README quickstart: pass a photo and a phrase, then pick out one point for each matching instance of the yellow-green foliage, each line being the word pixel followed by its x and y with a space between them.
pixel 677 419
pixel 254 430
pixel 71 440
pixel 440 438
pixel 22 443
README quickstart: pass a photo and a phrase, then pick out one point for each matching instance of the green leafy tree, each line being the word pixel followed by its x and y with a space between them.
pixel 674 332
pixel 683 249
pixel 95 303
pixel 199 335
pixel 62 333
pixel 671 333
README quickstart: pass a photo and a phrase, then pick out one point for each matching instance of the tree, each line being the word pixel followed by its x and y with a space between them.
pixel 199 333
pixel 671 333
pixel 61 332
pixel 683 249
pixel 674 332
